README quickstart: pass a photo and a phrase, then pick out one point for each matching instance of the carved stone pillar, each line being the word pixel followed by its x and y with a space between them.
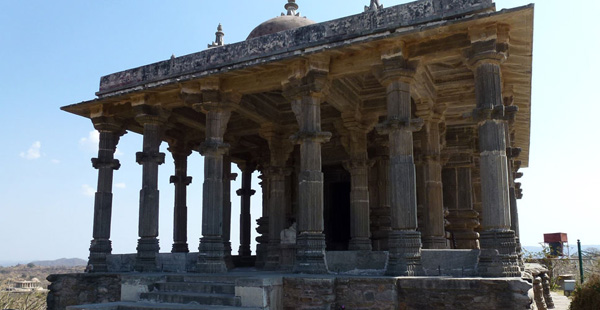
pixel 262 240
pixel 498 256
pixel 380 213
pixel 180 180
pixel 227 178
pixel 404 239
pixel 280 148
pixel 433 228
pixel 458 199
pixel 359 205
pixel 306 94
pixel 245 193
pixel 110 132
pixel 218 111
pixel 514 194
pixel 354 139
pixel 277 208
pixel 152 119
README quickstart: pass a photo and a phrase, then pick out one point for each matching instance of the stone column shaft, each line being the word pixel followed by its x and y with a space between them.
pixel 181 180
pixel 458 198
pixel 262 241
pixel 404 239
pixel 434 232
pixel 277 206
pixel 360 230
pixel 498 245
pixel 307 97
pixel 227 178
pixel 245 193
pixel 150 158
pixel 105 164
pixel 211 249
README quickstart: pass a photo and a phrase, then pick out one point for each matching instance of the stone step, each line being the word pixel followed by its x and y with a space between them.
pixel 192 297
pixel 196 287
pixel 154 306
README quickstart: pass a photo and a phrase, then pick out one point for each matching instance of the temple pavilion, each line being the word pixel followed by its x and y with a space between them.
pixel 386 135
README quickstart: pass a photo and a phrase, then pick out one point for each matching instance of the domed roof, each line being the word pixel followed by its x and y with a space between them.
pixel 284 22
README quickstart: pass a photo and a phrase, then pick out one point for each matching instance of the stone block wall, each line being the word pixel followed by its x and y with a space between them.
pixel 366 294
pixel 308 293
pixel 412 293
pixel 455 294
pixel 76 289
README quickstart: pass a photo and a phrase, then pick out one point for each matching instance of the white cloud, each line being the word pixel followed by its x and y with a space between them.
pixel 33 152
pixel 55 161
pixel 88 190
pixel 90 143
pixel 120 185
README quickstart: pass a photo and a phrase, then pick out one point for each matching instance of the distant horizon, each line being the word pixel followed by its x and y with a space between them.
pixel 11 263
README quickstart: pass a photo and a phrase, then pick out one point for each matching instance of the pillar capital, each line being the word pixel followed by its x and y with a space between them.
pixel 357 165
pixel 396 66
pixel 109 124
pixel 150 157
pixel 151 115
pixel 245 192
pixel 489 45
pixel 106 163
pixel 390 125
pixel 317 137
pixel 214 148
pixel 314 84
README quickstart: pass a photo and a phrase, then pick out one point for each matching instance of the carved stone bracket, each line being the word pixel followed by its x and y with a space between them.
pixel 390 125
pixel 99 163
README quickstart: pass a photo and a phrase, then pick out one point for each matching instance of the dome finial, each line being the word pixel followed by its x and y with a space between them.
pixel 219 37
pixel 374 6
pixel 291 8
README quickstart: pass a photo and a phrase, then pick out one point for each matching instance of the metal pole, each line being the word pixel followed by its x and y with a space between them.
pixel 580 260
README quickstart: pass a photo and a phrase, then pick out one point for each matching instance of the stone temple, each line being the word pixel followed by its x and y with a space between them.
pixel 388 144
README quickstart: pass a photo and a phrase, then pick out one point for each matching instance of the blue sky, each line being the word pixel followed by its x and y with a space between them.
pixel 52 53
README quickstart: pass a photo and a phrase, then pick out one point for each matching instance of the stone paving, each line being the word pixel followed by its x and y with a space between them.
pixel 561 302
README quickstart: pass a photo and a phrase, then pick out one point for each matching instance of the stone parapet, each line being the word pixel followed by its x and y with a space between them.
pixel 283 45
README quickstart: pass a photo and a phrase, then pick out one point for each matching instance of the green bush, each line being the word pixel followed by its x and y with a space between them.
pixel 587 296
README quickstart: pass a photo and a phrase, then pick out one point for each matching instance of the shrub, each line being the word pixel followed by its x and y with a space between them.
pixel 587 295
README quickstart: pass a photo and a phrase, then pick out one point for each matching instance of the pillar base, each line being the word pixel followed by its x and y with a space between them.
pixel 180 247
pixel 227 255
pixel 310 255
pixel 272 262
pixel 211 258
pixel 360 244
pixel 147 249
pixel 498 257
pixel 434 242
pixel 405 253
pixel 245 251
pixel 99 249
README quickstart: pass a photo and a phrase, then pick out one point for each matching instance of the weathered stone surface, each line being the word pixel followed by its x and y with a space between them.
pixel 473 294
pixel 308 293
pixel 366 294
pixel 76 289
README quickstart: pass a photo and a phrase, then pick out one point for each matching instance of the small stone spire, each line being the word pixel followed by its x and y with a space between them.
pixel 291 8
pixel 219 38
pixel 374 6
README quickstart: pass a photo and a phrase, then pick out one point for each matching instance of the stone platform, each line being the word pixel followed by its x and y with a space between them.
pixel 249 289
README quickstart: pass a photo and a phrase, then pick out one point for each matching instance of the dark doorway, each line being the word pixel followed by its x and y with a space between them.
pixel 337 209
